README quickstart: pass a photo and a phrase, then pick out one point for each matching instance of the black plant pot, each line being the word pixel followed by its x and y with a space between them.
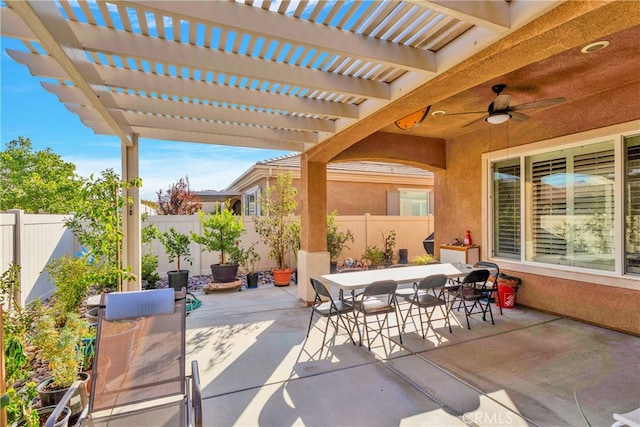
pixel 51 397
pixel 178 279
pixel 333 267
pixel 224 273
pixel 252 280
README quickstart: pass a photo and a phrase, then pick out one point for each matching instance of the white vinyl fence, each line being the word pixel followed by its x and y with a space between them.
pixel 32 240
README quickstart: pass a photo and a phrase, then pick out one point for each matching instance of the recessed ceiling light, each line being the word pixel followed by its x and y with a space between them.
pixel 594 47
pixel 438 113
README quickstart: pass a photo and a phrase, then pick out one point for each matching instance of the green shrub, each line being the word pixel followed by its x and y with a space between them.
pixel 72 278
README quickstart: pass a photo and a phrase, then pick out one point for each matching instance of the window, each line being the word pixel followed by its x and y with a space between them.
pixel 251 202
pixel 632 204
pixel 506 190
pixel 571 201
pixel 414 203
pixel 559 206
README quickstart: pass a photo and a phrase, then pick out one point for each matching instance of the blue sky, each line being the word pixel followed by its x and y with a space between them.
pixel 29 111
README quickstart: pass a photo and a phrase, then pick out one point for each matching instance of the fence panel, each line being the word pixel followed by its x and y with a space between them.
pixel 43 239
pixel 183 224
pixel 33 240
pixel 7 244
pixel 366 229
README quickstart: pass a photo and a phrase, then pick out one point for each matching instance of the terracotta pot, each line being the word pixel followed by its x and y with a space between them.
pixel 282 277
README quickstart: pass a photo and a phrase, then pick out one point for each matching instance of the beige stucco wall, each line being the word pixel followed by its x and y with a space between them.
pixel 358 198
pixel 458 206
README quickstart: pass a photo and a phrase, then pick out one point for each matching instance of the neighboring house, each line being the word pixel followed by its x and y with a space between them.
pixel 211 198
pixel 353 188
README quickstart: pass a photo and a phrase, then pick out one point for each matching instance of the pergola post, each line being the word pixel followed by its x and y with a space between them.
pixel 131 216
pixel 313 259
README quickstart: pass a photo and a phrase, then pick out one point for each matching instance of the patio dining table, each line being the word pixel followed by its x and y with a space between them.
pixel 355 280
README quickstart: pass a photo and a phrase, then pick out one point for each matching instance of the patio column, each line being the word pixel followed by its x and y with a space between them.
pixel 131 217
pixel 313 258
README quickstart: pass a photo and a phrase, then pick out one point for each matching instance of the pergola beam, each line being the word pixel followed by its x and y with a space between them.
pixel 53 33
pixel 143 104
pixel 298 33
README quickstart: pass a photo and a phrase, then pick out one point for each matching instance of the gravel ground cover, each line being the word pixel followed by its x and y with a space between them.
pixel 265 278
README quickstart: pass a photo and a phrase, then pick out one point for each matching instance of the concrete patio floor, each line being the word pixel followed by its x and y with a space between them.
pixel 257 369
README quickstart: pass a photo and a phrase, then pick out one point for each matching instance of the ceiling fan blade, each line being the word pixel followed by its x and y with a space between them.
pixel 537 104
pixel 518 117
pixel 475 121
pixel 468 112
pixel 501 102
pixel 413 120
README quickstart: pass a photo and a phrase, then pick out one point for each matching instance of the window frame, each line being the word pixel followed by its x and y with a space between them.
pixel 255 191
pixel 617 133
pixel 426 192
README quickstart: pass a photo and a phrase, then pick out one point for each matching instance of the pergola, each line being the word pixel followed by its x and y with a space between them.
pixel 327 79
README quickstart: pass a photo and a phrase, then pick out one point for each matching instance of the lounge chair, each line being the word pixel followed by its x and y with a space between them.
pixel 139 367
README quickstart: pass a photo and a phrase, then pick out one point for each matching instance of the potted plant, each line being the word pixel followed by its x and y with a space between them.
pixel 423 259
pixel 389 241
pixel 176 245
pixel 278 204
pixel 220 233
pixel 374 255
pixel 61 346
pixel 248 260
pixel 336 240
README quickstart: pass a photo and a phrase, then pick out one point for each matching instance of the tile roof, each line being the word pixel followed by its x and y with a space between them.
pixel 293 161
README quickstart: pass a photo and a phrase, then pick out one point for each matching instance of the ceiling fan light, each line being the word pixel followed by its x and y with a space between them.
pixel 498 118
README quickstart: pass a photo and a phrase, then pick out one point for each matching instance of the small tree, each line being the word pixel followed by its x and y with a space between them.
pixel 178 200
pixel 220 231
pixel 176 245
pixel 98 225
pixel 278 204
pixel 149 260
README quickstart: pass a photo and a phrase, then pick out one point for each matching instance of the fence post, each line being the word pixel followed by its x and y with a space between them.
pixel 3 413
pixel 18 248
pixel 367 219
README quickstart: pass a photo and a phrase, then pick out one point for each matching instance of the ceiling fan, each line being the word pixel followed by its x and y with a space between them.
pixel 500 111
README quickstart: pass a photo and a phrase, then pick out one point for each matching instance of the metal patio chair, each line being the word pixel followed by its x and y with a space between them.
pixel 378 298
pixel 139 374
pixel 329 308
pixel 427 296
pixel 492 284
pixel 475 296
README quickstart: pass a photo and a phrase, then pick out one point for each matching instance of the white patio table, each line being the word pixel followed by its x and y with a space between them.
pixel 355 280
